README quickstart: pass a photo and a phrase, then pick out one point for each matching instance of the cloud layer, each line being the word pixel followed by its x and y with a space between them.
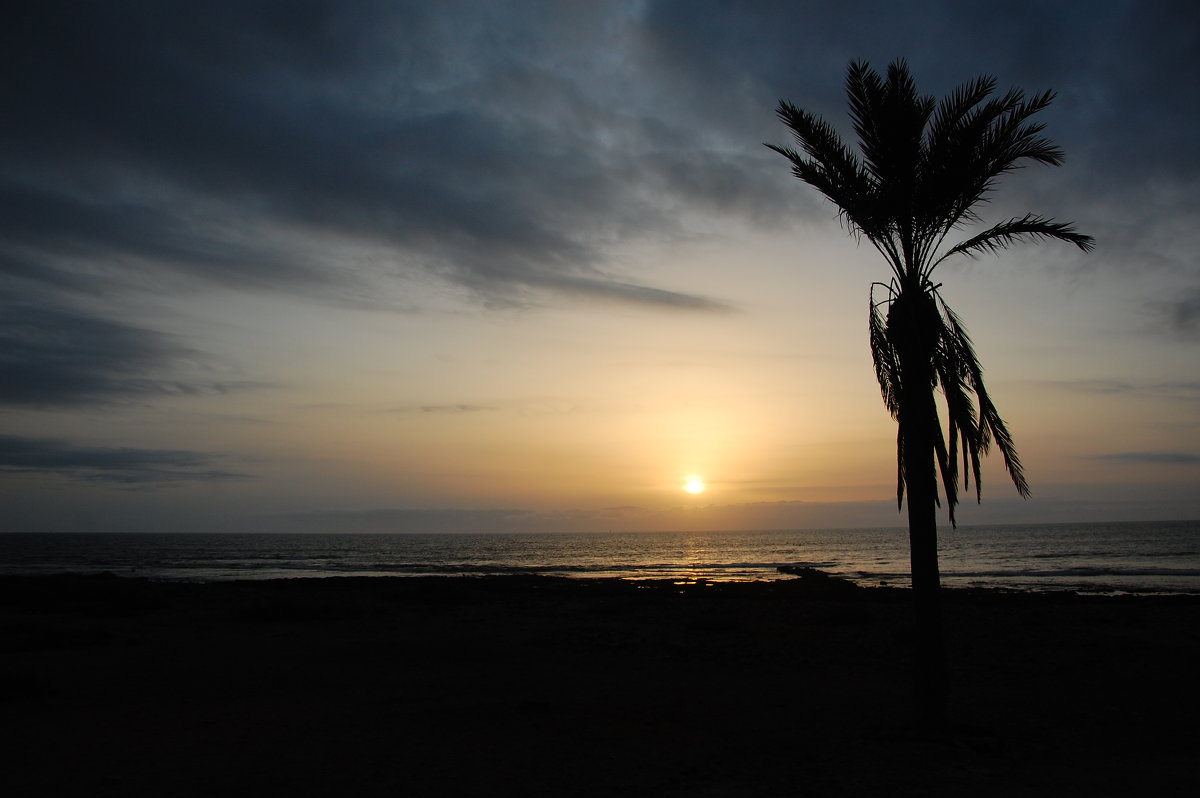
pixel 409 128
pixel 127 466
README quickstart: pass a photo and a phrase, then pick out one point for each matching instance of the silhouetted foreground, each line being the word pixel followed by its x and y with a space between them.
pixel 529 685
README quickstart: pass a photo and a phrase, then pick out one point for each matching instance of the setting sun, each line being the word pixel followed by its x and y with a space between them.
pixel 694 485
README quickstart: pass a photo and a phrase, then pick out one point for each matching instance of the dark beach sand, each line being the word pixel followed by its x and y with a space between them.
pixel 534 686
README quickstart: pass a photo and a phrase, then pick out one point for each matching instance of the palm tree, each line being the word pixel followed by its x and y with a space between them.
pixel 924 170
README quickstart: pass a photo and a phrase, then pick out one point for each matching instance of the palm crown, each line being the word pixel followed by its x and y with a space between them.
pixel 925 168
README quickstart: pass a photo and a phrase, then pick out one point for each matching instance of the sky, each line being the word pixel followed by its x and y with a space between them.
pixel 508 266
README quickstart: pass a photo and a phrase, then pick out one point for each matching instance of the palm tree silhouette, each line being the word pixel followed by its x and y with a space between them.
pixel 925 168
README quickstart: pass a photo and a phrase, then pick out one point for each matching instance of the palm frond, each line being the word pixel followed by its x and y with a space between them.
pixel 949 155
pixel 1011 137
pixel 864 94
pixel 1005 234
pixel 887 372
pixel 817 138
pixel 890 117
pixel 966 160
pixel 960 412
pixel 947 128
pixel 1001 140
pixel 820 177
pixel 883 356
pixel 830 167
pixel 990 425
pixel 946 467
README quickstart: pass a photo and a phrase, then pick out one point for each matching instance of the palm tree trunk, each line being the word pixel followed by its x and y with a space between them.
pixel 930 671
pixel 920 477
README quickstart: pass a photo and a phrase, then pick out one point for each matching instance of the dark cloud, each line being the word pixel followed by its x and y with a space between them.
pixel 740 52
pixel 487 165
pixel 1126 79
pixel 1155 458
pixel 47 229
pixel 115 465
pixel 55 356
pixel 1135 115
pixel 52 355
pixel 1183 313
pixel 503 146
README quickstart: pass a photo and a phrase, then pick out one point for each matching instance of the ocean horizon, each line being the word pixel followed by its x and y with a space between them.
pixel 1116 557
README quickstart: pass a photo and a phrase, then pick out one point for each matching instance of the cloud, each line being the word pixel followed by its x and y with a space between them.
pixel 509 148
pixel 1183 312
pixel 1154 458
pixel 526 407
pixel 636 294
pixel 391 520
pixel 735 61
pixel 409 127
pixel 53 355
pixel 127 466
pixel 456 408
pixel 1187 391
pixel 1098 386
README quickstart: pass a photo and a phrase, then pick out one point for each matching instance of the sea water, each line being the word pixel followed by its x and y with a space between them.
pixel 1097 558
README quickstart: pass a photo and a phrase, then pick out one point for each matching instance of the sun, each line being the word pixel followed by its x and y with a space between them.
pixel 694 485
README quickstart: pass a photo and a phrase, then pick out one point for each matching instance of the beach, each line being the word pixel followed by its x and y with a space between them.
pixel 527 685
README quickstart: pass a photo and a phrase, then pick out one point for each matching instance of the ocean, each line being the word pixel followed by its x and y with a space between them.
pixel 1146 557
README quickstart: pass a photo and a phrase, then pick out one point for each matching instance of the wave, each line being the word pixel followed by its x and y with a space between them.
pixel 607 568
pixel 1078 571
pixel 1118 554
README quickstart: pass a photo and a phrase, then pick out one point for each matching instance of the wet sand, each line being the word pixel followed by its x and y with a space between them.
pixel 537 686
